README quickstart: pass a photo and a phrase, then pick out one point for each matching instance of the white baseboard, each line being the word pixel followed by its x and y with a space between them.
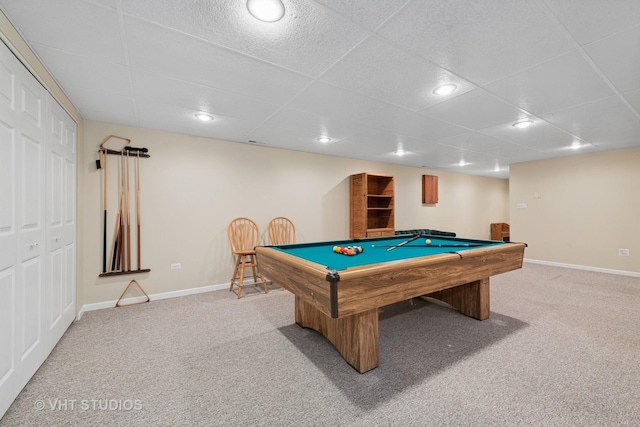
pixel 152 297
pixel 584 267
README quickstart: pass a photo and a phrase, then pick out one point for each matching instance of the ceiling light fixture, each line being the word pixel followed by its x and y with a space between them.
pixel 400 152
pixel 266 10
pixel 462 163
pixel 521 124
pixel 204 117
pixel 445 89
pixel 575 145
pixel 324 139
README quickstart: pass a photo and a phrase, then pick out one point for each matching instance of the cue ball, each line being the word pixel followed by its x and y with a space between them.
pixel 428 241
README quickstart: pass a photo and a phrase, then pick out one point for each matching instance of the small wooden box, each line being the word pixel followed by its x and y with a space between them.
pixel 429 189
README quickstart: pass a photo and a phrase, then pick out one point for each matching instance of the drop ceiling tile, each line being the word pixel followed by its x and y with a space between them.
pixel 303 121
pixel 633 97
pixel 472 141
pixel 174 119
pixel 308 39
pixel 111 108
pixel 422 127
pixel 95 30
pixel 509 153
pixel 479 41
pixel 474 110
pixel 200 98
pixel 379 70
pixel 560 83
pixel 165 52
pixel 614 137
pixel 340 104
pixel 592 20
pixel 591 115
pixel 273 136
pixel 540 136
pixel 619 58
pixel 85 72
pixel 367 13
pixel 358 149
pixel 387 142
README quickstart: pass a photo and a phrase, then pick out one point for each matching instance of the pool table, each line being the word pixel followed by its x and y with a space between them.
pixel 339 295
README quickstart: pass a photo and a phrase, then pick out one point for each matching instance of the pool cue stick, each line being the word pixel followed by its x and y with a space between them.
pixel 138 205
pixel 128 217
pixel 103 165
pixel 417 236
pixel 114 248
pixel 122 223
pixel 465 245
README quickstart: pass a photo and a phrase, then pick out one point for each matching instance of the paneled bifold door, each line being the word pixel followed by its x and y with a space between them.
pixel 37 225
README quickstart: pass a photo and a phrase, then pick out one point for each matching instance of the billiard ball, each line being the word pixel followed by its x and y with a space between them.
pixel 428 241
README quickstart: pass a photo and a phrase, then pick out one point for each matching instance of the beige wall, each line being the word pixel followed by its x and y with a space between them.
pixel 587 207
pixel 192 187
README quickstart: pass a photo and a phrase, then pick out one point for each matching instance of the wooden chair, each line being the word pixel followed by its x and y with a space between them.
pixel 244 236
pixel 281 231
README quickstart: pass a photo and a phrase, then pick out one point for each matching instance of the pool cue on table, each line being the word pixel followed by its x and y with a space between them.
pixel 417 236
pixel 464 245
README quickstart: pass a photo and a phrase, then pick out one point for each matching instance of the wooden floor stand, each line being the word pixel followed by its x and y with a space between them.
pixel 133 282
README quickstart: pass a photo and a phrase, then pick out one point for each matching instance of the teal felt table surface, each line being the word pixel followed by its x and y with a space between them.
pixel 375 250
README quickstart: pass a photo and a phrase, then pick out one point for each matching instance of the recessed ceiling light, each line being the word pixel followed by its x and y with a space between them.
pixel 266 10
pixel 575 145
pixel 463 163
pixel 324 139
pixel 523 123
pixel 399 152
pixel 445 89
pixel 204 117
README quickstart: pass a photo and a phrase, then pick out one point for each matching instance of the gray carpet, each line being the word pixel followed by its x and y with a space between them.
pixel 560 349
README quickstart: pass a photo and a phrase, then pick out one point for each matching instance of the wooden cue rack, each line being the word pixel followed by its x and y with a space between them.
pixel 118 258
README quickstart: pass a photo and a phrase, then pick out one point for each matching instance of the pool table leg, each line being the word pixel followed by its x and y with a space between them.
pixel 355 337
pixel 471 298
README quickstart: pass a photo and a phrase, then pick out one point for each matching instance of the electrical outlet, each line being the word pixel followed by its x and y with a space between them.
pixel 521 206
pixel 176 266
pixel 623 252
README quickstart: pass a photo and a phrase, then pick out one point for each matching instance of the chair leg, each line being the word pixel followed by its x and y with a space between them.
pixel 240 283
pixel 254 265
pixel 235 272
pixel 252 259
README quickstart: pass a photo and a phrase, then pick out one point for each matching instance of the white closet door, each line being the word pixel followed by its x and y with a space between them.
pixel 37 293
pixel 61 220
pixel 9 230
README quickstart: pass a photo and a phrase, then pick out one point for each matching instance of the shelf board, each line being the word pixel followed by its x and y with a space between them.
pixel 379 195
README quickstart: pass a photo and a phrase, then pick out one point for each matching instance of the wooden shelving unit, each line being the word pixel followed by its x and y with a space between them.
pixel 372 205
pixel 500 231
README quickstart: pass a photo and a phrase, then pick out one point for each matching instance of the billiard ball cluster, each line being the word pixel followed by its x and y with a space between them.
pixel 348 250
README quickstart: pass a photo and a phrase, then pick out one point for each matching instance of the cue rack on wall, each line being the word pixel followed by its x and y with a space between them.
pixel 124 248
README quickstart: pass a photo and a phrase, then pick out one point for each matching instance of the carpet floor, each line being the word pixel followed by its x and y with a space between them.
pixel 560 349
